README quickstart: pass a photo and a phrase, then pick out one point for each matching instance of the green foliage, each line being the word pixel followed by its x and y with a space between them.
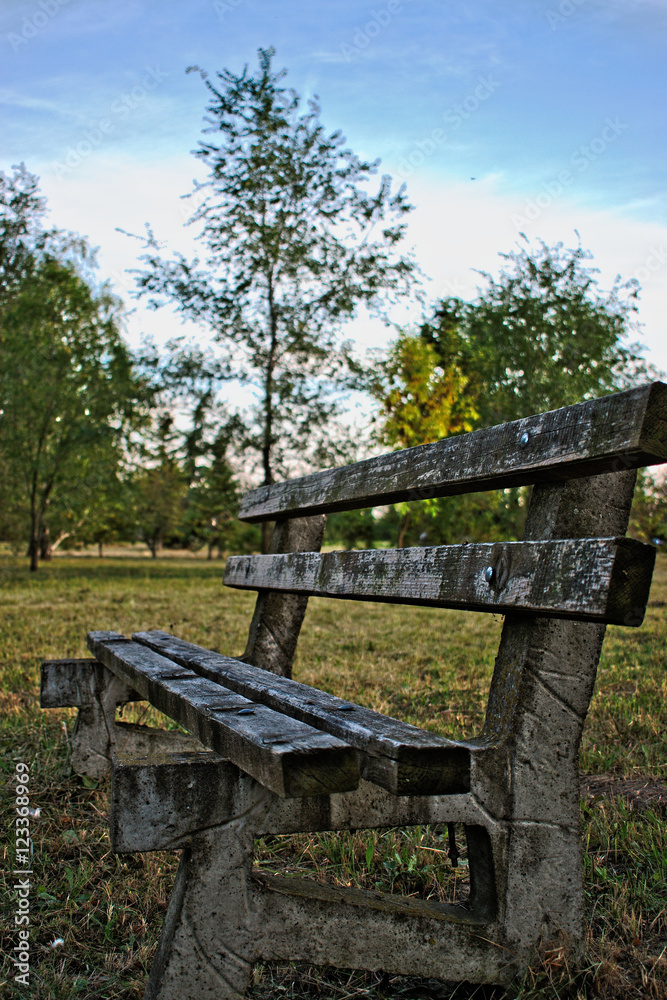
pixel 540 335
pixel 160 502
pixel 421 400
pixel 213 500
pixel 67 395
pixel 648 520
pixel 294 244
pixel 110 517
pixel 352 529
pixel 497 515
pixel 24 241
pixel 22 209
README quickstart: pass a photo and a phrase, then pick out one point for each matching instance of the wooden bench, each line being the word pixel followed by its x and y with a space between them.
pixel 268 755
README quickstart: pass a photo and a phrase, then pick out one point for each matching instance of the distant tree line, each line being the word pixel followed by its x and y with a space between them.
pixel 99 444
pixel 89 452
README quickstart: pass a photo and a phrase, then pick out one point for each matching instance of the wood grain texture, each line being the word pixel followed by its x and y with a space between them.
pixel 283 754
pixel 624 431
pixel 594 579
pixel 399 757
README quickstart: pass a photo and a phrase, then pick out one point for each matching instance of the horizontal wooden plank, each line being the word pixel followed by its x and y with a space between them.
pixel 399 757
pixel 285 755
pixel 590 579
pixel 625 431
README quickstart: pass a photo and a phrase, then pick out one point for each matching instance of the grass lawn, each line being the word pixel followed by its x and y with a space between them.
pixel 427 666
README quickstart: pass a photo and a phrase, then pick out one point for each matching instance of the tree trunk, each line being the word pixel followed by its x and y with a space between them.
pixel 211 546
pixel 403 531
pixel 45 546
pixel 100 550
pixel 33 551
pixel 60 539
pixel 35 529
pixel 268 406
pixel 153 544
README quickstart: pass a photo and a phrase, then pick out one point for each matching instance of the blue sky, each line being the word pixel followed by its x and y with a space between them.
pixel 554 107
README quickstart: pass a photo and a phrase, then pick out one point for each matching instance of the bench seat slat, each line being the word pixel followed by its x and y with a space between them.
pixel 624 431
pixel 402 758
pixel 285 755
pixel 590 579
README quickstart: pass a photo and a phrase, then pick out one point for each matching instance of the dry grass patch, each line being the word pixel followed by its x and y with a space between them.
pixel 431 668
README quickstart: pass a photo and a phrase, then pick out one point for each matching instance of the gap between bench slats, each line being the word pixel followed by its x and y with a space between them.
pixel 590 579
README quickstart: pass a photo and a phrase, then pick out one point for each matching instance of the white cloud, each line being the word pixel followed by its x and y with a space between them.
pixel 11 98
pixel 461 226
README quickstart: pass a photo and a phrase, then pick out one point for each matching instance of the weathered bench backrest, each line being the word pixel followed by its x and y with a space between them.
pixel 610 434
pixel 562 569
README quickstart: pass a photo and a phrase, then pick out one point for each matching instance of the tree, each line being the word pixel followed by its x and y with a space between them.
pixel 421 401
pixel 648 520
pixel 22 210
pixel 108 515
pixel 213 498
pixel 160 502
pixel 24 241
pixel 539 336
pixel 294 245
pixel 67 392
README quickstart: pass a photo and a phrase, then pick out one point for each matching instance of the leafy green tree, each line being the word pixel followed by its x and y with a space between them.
pixel 213 499
pixel 421 401
pixel 539 336
pixel 67 391
pixel 108 515
pixel 160 494
pixel 294 245
pixel 352 528
pixel 648 519
pixel 83 507
pixel 22 210
pixel 24 240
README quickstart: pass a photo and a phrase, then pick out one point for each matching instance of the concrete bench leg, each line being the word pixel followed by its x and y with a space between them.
pixel 97 693
pixel 208 947
pixel 224 917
